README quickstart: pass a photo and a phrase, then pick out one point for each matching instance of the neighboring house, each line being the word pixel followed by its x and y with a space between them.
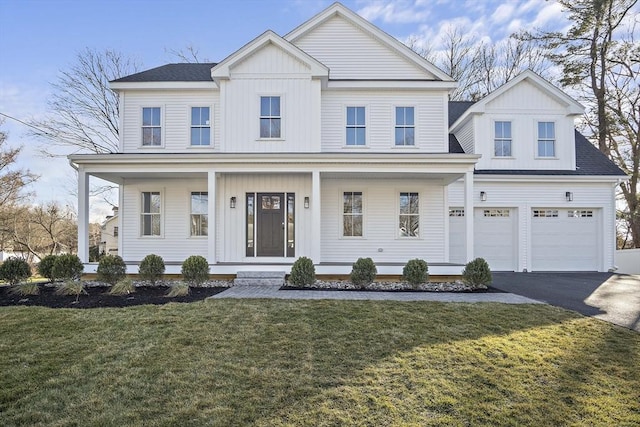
pixel 335 142
pixel 109 234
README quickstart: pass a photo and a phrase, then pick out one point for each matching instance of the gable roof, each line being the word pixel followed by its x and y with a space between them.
pixel 337 9
pixel 181 72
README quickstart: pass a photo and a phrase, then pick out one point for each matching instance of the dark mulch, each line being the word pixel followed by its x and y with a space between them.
pixel 489 290
pixel 98 297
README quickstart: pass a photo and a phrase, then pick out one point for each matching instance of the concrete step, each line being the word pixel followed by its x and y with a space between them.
pixel 261 275
pixel 258 281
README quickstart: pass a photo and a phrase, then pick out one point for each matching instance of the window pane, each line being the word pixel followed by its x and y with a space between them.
pixel 146 117
pixel 360 138
pixel 265 128
pixel 400 136
pixel 275 106
pixel 351 116
pixel 155 225
pixel 399 116
pixel 360 116
pixel 275 128
pixel 195 136
pixel 205 136
pixel 404 203
pixel 409 136
pixel 357 225
pixel 347 225
pixel 414 230
pixel 351 136
pixel 357 202
pixel 347 202
pixel 157 137
pixel 506 129
pixel 413 203
pixel 195 116
pixel 265 107
pixel 155 116
pixel 155 203
pixel 408 116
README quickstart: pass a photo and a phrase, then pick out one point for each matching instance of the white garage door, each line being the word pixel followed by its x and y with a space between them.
pixel 457 236
pixel 495 237
pixel 565 240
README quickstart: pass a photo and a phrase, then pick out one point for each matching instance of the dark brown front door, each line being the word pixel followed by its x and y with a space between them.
pixel 271 221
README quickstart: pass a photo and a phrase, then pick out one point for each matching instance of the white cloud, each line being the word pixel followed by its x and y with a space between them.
pixel 551 13
pixel 394 11
pixel 503 13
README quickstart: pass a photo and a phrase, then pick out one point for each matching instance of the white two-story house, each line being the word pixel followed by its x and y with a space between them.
pixel 336 142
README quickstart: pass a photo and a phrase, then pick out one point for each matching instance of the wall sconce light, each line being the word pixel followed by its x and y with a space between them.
pixel 569 196
pixel 483 196
pixel 232 202
pixel 306 202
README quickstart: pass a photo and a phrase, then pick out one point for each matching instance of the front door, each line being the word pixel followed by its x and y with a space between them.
pixel 271 222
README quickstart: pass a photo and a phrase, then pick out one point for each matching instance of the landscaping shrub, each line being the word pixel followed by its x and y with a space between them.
pixel 123 287
pixel 67 267
pixel 195 270
pixel 45 267
pixel 303 272
pixel 152 268
pixel 71 287
pixel 477 273
pixel 416 271
pixel 111 269
pixel 14 270
pixel 179 289
pixel 363 272
pixel 25 289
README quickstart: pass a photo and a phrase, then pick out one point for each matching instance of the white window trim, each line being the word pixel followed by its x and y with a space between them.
pixel 536 137
pixel 420 214
pixel 394 124
pixel 367 122
pixel 189 191
pixel 140 211
pixel 162 127
pixel 189 125
pixel 493 138
pixel 364 214
pixel 282 120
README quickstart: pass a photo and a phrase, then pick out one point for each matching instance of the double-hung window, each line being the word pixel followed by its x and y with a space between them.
pixel 356 126
pixel 405 126
pixel 502 139
pixel 150 214
pixel 200 126
pixel 199 213
pixel 409 218
pixel 546 139
pixel 352 214
pixel 151 127
pixel 270 118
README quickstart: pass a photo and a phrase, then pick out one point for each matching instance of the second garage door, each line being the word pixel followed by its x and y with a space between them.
pixel 495 237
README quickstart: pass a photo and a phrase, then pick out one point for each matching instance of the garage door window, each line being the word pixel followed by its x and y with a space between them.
pixel 545 213
pixel 496 212
pixel 580 214
pixel 456 212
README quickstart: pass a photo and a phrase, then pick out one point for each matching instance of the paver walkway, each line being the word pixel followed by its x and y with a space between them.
pixel 273 291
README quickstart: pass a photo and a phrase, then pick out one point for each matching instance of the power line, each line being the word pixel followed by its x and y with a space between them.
pixel 25 123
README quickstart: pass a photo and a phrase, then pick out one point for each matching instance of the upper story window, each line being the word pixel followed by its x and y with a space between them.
pixel 115 231
pixel 150 214
pixel 356 127
pixel 151 128
pixel 200 126
pixel 405 126
pixel 546 139
pixel 270 118
pixel 502 139
pixel 352 214
pixel 199 213
pixel 409 218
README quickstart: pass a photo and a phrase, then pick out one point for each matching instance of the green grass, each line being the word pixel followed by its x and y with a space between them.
pixel 315 363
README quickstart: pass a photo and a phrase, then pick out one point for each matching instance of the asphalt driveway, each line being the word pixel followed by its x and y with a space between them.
pixel 611 297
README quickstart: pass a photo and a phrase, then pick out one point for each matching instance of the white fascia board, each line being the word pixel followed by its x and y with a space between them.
pixel 391 84
pixel 549 178
pixel 161 85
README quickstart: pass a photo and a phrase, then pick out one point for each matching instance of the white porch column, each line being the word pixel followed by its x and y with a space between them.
pixel 211 212
pixel 83 215
pixel 316 218
pixel 468 214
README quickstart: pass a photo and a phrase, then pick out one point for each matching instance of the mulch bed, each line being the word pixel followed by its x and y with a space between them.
pixel 97 296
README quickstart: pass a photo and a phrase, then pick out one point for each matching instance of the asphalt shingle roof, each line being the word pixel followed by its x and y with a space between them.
pixel 182 72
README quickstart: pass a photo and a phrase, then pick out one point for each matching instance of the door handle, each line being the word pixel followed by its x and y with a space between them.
pixel 283 225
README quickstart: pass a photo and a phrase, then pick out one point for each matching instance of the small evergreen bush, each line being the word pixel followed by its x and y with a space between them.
pixel 45 267
pixel 416 271
pixel 123 287
pixel 303 272
pixel 363 272
pixel 178 289
pixel 477 273
pixel 67 267
pixel 111 269
pixel 14 270
pixel 195 270
pixel 151 268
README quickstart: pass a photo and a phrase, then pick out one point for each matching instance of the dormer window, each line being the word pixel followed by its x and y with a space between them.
pixel 546 139
pixel 270 119
pixel 502 139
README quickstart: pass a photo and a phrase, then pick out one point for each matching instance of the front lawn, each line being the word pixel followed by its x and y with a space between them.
pixel 265 363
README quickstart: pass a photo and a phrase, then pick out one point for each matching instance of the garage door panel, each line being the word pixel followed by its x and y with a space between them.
pixel 494 237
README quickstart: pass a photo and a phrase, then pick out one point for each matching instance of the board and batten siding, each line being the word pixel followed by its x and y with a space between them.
pixel 381 240
pixel 431 134
pixel 352 53
pixel 525 197
pixel 175 119
pixel 466 137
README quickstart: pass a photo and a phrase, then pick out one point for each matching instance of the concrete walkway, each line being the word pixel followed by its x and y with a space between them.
pixel 272 291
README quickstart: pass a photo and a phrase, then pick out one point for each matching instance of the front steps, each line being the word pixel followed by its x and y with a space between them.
pixel 259 278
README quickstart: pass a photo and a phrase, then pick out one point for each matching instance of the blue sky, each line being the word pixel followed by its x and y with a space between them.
pixel 38 38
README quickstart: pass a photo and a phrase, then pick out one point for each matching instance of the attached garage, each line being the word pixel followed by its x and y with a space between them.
pixel 565 239
pixel 495 232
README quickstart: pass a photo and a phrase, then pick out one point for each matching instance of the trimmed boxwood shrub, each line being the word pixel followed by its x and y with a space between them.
pixel 67 267
pixel 195 270
pixel 303 272
pixel 111 269
pixel 14 270
pixel 363 272
pixel 415 272
pixel 45 267
pixel 151 268
pixel 477 273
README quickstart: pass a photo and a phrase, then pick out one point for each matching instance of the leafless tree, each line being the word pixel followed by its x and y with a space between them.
pixel 190 54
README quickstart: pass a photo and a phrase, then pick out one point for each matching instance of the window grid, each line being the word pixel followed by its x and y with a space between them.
pixel 409 218
pixel 151 126
pixel 545 213
pixel 270 118
pixel 502 141
pixel 580 214
pixel 150 214
pixel 546 139
pixel 456 212
pixel 352 216
pixel 405 126
pixel 200 126
pixel 356 126
pixel 496 212
pixel 199 219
